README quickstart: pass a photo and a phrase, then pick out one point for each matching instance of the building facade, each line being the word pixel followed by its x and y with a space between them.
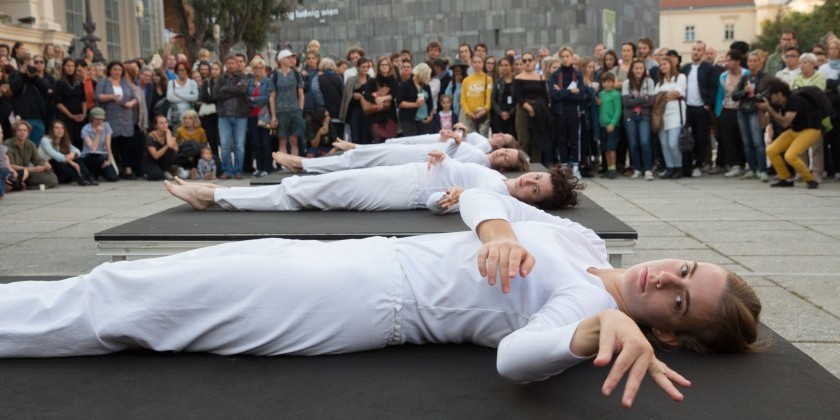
pixel 123 31
pixel 385 26
pixel 719 22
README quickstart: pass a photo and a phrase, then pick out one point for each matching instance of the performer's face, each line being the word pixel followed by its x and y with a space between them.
pixel 672 295
pixel 532 187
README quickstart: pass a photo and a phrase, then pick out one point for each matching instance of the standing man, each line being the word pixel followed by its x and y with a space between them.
pixel 776 61
pixel 286 102
pixel 480 50
pixel 353 56
pixel 29 91
pixel 645 50
pixel 791 70
pixel 433 50
pixel 230 93
pixel 699 99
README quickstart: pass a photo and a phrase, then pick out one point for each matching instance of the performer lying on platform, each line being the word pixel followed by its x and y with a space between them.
pixel 357 156
pixel 435 186
pixel 459 131
pixel 560 302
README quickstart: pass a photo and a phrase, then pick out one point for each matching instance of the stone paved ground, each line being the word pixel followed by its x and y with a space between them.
pixel 785 243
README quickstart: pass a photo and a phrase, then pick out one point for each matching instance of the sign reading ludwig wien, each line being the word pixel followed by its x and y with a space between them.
pixel 311 14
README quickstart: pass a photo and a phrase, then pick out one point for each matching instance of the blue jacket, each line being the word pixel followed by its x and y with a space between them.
pixel 721 84
pixel 266 87
pixel 563 97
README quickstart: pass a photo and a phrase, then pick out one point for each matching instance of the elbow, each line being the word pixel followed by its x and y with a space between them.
pixel 509 372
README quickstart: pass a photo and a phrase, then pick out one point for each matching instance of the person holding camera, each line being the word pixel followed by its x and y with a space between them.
pixel 28 93
pixel 752 134
pixel 798 117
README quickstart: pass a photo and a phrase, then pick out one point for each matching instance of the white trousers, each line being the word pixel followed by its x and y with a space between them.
pixel 369 189
pixel 262 297
pixel 368 156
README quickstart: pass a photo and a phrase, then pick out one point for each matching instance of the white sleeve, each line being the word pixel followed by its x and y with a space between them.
pixel 421 139
pixel 451 147
pixel 532 354
pixel 479 142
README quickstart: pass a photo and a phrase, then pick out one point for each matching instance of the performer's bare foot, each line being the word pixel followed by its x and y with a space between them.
pixel 195 196
pixel 196 184
pixel 292 163
pixel 344 145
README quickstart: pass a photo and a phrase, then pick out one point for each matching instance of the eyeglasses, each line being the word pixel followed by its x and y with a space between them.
pixel 527 60
pixel 39 62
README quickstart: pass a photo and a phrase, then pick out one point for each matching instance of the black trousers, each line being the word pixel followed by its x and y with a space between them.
pixel 67 173
pixel 154 168
pixel 699 119
pixel 94 161
pixel 730 144
pixel 567 136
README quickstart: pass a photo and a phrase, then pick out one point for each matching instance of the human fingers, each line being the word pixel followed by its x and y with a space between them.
pixel 635 375
pixel 492 265
pixel 660 378
pixel 483 253
pixel 507 260
pixel 527 265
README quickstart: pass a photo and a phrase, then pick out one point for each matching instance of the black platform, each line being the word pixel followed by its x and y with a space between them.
pixel 181 228
pixel 424 382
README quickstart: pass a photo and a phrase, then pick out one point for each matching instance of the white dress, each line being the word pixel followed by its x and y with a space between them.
pixel 277 296
pixel 402 187
pixel 475 139
pixel 370 155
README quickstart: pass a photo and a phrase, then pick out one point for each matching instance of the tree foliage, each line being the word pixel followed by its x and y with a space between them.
pixel 810 27
pixel 239 20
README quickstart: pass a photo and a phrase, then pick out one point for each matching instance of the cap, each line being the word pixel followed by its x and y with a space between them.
pixel 97 113
pixel 283 54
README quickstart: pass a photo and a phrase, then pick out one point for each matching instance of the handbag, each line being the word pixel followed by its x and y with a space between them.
pixel 264 118
pixel 384 130
pixel 686 136
pixel 206 109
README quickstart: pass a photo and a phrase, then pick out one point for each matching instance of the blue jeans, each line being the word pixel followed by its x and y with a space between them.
pixel 753 137
pixel 232 128
pixel 670 140
pixel 638 134
pixel 359 127
pixel 4 173
pixel 38 130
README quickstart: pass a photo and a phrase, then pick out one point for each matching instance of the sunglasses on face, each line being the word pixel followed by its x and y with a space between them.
pixel 527 60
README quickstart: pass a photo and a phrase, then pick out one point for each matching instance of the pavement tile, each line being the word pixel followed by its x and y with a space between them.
pixel 796 319
pixel 822 291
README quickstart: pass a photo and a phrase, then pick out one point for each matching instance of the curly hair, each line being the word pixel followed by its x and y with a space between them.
pixel 565 190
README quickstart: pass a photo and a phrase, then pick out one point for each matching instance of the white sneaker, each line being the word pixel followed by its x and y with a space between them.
pixel 748 175
pixel 169 176
pixel 648 175
pixel 636 174
pixel 696 173
pixel 183 173
pixel 763 176
pixel 734 171
pixel 576 172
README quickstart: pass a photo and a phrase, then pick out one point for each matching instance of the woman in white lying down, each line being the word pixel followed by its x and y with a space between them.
pixel 560 302
pixel 369 155
pixel 486 145
pixel 435 185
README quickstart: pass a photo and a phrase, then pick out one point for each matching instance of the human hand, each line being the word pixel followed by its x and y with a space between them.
pixel 610 128
pixel 451 197
pixel 428 119
pixel 557 87
pixel 505 115
pixel 436 157
pixel 673 94
pixel 763 105
pixel 508 257
pixel 620 335
pixel 460 126
pixel 274 122
pixel 574 91
pixel 598 101
pixel 344 145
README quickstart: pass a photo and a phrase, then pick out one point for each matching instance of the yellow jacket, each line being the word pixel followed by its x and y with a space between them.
pixel 476 92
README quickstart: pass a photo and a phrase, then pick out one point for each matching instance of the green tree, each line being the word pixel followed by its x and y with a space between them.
pixel 238 20
pixel 810 27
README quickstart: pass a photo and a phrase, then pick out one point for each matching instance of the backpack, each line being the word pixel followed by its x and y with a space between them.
pixel 824 112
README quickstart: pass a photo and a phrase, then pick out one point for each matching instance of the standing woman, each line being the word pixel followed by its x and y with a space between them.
pixel 260 88
pixel 161 151
pixel 751 131
pixel 351 107
pixel 182 93
pixel 503 106
pixel 115 95
pixel 610 65
pixel 491 67
pixel 637 93
pixel 628 53
pixel 565 91
pixel 593 132
pixel 459 72
pixel 64 158
pixel 88 85
pixel 414 98
pixel 529 94
pixel 673 83
pixel 379 93
pixel 70 101
pixel 207 111
pixel 6 108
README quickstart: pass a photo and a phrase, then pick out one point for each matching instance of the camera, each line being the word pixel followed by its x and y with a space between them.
pixel 761 96
pixel 31 70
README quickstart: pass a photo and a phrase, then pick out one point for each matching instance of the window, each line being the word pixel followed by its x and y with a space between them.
pixel 689 33
pixel 112 29
pixel 75 17
pixel 146 31
pixel 729 32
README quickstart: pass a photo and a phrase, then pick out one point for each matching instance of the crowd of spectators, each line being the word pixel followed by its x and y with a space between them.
pixel 617 113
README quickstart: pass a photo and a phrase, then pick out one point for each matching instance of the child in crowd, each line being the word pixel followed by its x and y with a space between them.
pixel 609 116
pixel 206 167
pixel 447 118
pixel 191 138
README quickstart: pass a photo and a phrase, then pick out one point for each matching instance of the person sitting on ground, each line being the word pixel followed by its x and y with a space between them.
pixel 370 155
pixel 206 168
pixel 25 160
pixel 191 138
pixel 64 158
pixel 161 151
pixel 434 185
pixel 96 149
pixel 320 135
pixel 560 301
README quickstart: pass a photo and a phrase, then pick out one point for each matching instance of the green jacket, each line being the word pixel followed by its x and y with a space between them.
pixel 610 110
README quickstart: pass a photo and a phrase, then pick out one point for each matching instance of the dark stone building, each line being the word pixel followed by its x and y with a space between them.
pixel 385 26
